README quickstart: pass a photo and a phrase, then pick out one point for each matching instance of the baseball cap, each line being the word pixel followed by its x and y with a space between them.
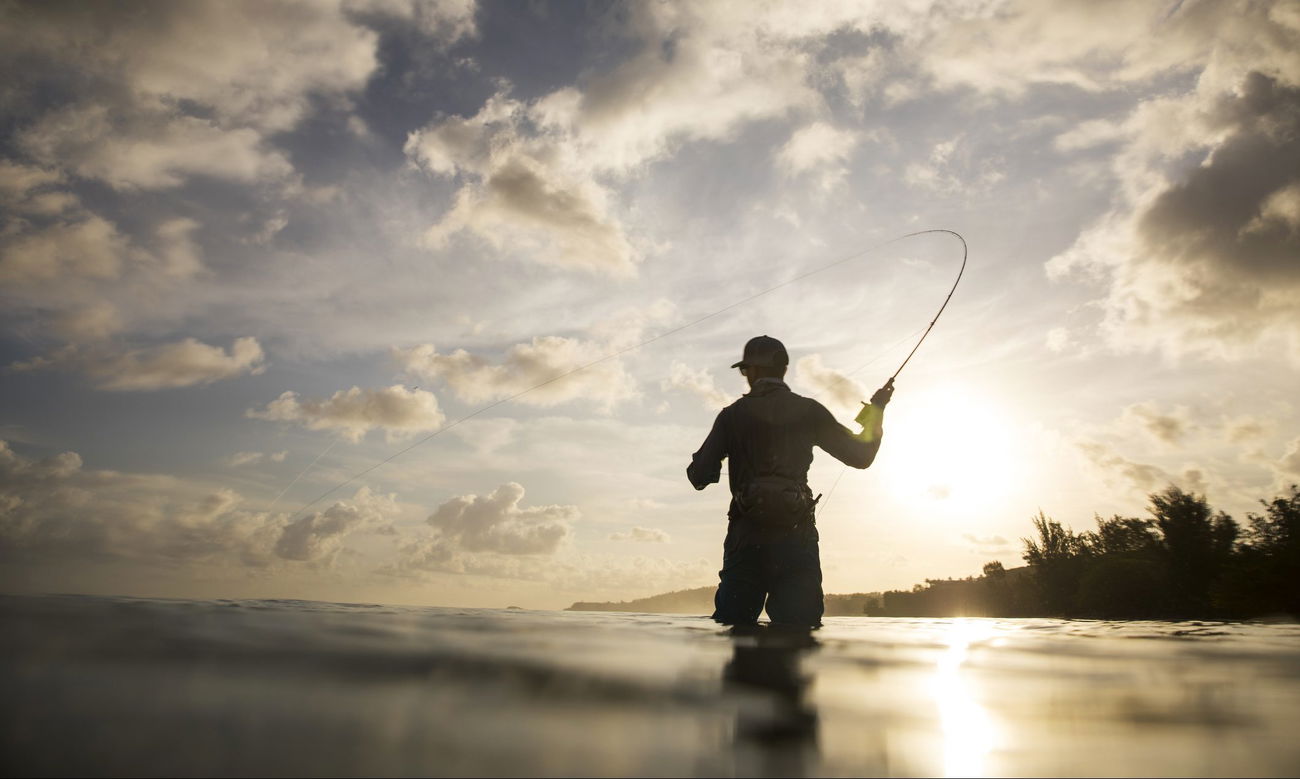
pixel 764 351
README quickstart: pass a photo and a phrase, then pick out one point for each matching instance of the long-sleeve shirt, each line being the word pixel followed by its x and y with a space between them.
pixel 771 432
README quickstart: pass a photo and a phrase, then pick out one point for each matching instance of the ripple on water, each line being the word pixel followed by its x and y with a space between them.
pixel 145 686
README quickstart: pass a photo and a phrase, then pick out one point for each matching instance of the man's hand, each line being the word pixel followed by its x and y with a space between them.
pixel 883 395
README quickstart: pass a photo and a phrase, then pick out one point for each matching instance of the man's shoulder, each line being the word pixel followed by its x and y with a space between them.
pixel 783 396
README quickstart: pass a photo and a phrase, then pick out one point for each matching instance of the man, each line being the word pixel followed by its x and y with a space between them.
pixel 771 547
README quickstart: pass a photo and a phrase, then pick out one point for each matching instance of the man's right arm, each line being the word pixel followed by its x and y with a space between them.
pixel 857 450
pixel 706 464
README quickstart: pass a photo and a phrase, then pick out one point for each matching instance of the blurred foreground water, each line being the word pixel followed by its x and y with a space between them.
pixel 112 686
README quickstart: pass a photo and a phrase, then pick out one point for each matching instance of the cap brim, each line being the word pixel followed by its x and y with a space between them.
pixel 740 364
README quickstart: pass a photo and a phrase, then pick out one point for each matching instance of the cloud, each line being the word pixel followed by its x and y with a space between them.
pixel 53 510
pixel 490 535
pixel 1167 427
pixel 93 322
pixel 1242 429
pixel 522 193
pixel 644 535
pixel 698 383
pixel 537 178
pixel 319 537
pixel 839 389
pixel 447 21
pixel 987 544
pixel 1287 468
pixel 397 411
pixel 182 90
pixel 242 459
pixel 1198 260
pixel 496 523
pixel 1058 339
pixel 950 170
pixel 130 148
pixel 186 363
pixel 88 247
pixel 1140 476
pixel 819 147
pixel 19 182
pixel 523 366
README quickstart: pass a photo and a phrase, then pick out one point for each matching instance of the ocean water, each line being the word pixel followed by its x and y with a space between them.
pixel 111 686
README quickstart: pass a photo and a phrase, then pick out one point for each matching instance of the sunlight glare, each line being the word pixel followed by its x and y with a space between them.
pixel 966 727
pixel 951 446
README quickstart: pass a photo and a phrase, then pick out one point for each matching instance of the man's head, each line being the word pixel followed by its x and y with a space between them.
pixel 764 357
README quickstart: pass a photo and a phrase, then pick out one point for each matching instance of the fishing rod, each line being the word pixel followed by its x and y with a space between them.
pixel 965 252
pixel 870 414
pixel 634 347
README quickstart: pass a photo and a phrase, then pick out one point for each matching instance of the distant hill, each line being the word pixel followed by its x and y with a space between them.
pixel 696 601
pixel 700 601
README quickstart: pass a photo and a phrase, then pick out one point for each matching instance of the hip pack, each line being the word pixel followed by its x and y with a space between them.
pixel 776 502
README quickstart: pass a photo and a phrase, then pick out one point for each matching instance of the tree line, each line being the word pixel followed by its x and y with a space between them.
pixel 1185 561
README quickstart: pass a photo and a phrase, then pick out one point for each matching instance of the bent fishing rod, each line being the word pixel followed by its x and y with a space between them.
pixel 666 334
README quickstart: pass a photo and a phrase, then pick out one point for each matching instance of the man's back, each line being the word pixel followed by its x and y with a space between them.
pixel 771 432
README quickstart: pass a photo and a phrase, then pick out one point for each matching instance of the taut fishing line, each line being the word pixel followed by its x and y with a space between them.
pixel 667 333
pixel 965 251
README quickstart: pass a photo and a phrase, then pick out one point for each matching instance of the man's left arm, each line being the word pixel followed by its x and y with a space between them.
pixel 706 464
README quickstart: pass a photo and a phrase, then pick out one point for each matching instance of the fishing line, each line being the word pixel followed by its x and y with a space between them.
pixel 647 342
pixel 302 473
pixel 965 252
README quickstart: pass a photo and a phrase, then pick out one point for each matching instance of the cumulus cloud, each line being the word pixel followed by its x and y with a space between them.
pixel 1200 260
pixel 535 177
pixel 396 410
pixel 149 99
pixel 319 537
pixel 644 535
pixel 186 363
pixel 496 523
pixel 54 510
pixel 475 379
pixel 490 535
pixel 526 193
pixel 695 382
pixel 185 90
pixel 837 388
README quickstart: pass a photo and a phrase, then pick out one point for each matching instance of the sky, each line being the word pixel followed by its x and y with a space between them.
pixel 252 250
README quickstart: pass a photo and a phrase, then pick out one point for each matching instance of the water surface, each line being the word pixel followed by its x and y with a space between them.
pixel 110 686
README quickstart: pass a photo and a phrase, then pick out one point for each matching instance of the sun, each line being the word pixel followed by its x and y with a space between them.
pixel 950 445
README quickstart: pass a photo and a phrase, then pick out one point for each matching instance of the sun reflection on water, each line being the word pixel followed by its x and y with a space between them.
pixel 965 726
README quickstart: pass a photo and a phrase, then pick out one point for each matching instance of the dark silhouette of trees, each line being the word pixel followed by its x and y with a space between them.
pixel 1187 561
pixel 1057 559
pixel 1197 545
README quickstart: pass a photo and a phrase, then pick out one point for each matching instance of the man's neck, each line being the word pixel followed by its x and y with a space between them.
pixel 766 384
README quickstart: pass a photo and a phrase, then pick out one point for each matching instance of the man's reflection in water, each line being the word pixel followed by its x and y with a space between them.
pixel 774 725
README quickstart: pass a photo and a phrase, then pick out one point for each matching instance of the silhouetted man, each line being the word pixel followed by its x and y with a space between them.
pixel 768 434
